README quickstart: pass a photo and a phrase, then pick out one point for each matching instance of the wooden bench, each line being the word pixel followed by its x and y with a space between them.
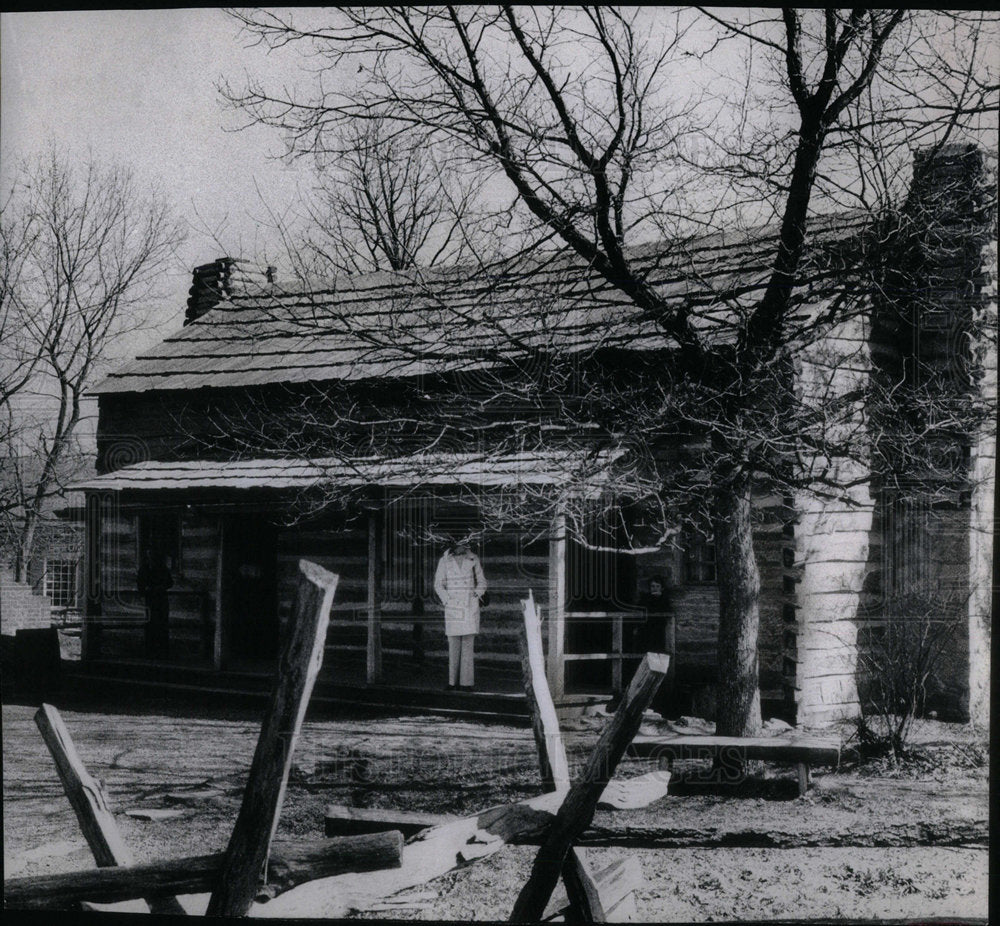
pixel 802 751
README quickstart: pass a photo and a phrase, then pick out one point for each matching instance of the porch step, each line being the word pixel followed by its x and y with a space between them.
pixel 186 682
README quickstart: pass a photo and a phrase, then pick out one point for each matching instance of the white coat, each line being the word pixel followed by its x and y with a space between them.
pixel 460 583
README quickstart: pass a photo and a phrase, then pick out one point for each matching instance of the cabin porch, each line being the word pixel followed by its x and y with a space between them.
pixel 234 563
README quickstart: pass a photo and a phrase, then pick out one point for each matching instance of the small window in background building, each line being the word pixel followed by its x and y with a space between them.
pixel 60 582
pixel 699 558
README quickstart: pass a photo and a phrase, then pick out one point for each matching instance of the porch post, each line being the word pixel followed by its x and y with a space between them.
pixel 374 660
pixel 616 652
pixel 217 642
pixel 555 666
pixel 90 633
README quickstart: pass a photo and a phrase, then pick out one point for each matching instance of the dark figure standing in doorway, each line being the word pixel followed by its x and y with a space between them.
pixel 153 581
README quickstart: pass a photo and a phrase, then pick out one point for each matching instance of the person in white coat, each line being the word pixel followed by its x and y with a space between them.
pixel 460 584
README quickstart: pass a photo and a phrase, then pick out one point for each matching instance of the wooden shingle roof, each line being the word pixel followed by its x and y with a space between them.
pixel 476 469
pixel 459 318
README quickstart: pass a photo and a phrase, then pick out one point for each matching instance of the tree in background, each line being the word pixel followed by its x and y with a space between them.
pixel 387 204
pixel 83 250
pixel 609 131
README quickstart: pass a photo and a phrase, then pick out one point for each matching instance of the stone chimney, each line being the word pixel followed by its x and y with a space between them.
pixel 932 345
pixel 221 279
pixel 950 209
pixel 950 189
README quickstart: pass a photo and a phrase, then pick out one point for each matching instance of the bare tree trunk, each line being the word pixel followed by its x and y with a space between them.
pixel 66 421
pixel 738 711
pixel 26 541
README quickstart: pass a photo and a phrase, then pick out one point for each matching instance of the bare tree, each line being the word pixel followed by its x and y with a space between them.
pixel 18 359
pixel 84 249
pixel 591 117
pixel 386 203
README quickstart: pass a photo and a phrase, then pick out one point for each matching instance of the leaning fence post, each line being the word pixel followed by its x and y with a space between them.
pixel 298 666
pixel 90 804
pixel 544 720
pixel 581 889
pixel 577 810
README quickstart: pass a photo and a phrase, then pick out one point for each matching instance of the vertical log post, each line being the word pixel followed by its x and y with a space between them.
pixel 616 650
pixel 374 650
pixel 90 632
pixel 557 608
pixel 298 666
pixel 672 642
pixel 90 803
pixel 577 810
pixel 218 653
pixel 544 720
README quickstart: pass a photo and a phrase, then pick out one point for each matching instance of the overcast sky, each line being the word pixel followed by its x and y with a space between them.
pixel 138 87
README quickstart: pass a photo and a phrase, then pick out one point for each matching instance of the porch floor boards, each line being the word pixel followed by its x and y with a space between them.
pixel 406 686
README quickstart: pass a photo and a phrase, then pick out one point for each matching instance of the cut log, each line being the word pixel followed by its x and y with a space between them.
pixel 957 833
pixel 352 821
pixel 582 889
pixel 291 863
pixel 635 793
pixel 428 855
pixel 298 666
pixel 296 863
pixel 544 720
pixel 616 883
pixel 90 803
pixel 577 810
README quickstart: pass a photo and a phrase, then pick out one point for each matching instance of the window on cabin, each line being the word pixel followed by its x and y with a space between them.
pixel 406 550
pixel 908 552
pixel 699 558
pixel 60 582
pixel 599 577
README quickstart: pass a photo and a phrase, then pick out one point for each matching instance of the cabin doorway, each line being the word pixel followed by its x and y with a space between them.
pixel 600 584
pixel 250 552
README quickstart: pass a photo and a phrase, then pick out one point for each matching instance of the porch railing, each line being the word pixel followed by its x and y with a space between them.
pixel 616 656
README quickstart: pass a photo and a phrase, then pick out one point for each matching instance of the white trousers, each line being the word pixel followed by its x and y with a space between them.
pixel 460 670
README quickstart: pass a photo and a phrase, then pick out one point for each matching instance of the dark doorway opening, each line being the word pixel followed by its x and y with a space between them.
pixel 250 553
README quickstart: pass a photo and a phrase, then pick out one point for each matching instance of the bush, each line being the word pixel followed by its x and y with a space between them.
pixel 898 662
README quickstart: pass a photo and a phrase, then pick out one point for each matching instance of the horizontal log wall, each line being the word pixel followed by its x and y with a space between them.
pixel 192 597
pixel 510 563
pixel 696 604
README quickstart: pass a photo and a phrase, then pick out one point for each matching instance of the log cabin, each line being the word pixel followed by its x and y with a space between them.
pixel 189 466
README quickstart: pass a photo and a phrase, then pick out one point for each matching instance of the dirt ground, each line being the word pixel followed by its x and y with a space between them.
pixel 152 755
